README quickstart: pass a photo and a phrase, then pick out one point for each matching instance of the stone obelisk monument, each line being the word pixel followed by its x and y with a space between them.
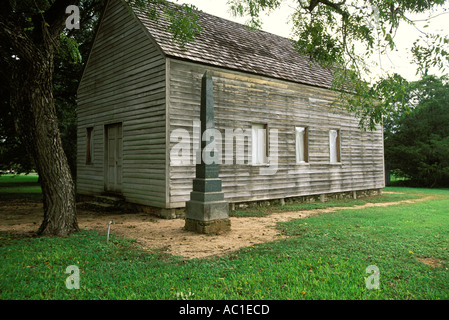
pixel 207 211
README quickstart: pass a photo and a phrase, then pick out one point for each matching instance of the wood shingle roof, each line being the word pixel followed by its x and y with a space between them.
pixel 227 44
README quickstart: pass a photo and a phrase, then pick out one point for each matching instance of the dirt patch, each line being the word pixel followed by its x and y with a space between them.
pixel 154 233
pixel 434 263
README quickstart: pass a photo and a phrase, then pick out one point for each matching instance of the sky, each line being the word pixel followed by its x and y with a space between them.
pixel 397 61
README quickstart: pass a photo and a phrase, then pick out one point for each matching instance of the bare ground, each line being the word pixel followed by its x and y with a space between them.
pixel 169 235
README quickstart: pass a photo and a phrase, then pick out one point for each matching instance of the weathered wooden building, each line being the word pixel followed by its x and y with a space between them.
pixel 140 91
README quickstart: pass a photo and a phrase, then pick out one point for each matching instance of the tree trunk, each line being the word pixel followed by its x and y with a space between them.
pixel 37 124
pixel 31 70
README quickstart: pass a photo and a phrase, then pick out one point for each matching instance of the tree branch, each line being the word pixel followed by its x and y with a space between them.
pixel 15 37
pixel 335 6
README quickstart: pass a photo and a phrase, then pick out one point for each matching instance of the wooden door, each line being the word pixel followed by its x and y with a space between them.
pixel 113 163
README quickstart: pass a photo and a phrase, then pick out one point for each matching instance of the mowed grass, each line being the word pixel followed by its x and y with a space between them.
pixel 264 210
pixel 21 186
pixel 321 257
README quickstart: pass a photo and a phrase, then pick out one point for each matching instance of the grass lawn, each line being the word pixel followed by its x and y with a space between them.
pixel 297 206
pixel 24 187
pixel 321 257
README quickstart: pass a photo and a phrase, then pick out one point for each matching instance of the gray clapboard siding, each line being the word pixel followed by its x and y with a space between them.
pixel 242 99
pixel 124 82
pixel 129 80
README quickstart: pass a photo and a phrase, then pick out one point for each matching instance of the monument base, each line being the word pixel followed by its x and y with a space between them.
pixel 207 211
pixel 208 227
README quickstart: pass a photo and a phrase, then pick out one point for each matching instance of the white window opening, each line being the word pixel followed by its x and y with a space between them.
pixel 334 141
pixel 259 144
pixel 302 145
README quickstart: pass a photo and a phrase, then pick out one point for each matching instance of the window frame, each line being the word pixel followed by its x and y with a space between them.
pixel 305 145
pixel 255 138
pixel 89 146
pixel 337 146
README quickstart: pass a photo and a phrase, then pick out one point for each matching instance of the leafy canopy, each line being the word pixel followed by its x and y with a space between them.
pixel 340 34
pixel 345 34
pixel 73 49
pixel 417 143
pixel 184 23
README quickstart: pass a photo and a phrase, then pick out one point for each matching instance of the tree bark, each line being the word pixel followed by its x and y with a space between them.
pixel 35 115
pixel 36 122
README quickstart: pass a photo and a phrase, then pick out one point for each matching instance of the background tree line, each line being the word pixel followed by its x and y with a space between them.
pixel 417 142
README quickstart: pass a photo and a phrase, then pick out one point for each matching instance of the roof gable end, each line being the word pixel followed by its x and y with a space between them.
pixel 227 44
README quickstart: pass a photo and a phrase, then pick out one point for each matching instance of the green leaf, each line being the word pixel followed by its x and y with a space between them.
pixel 69 48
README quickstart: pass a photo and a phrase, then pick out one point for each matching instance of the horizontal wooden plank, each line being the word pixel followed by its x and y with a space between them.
pixel 240 100
pixel 124 82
